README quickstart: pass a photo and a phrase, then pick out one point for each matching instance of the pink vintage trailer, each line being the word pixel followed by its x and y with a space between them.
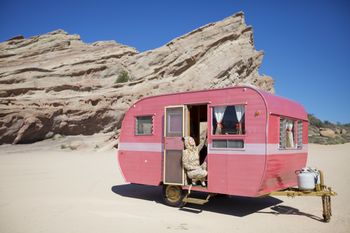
pixel 256 141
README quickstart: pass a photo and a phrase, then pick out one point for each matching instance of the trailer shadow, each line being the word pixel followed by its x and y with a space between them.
pixel 223 204
pixel 230 205
pixel 287 210
pixel 144 192
pixel 233 205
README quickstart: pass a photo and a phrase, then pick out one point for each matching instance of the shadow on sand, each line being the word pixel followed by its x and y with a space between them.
pixel 287 210
pixel 223 204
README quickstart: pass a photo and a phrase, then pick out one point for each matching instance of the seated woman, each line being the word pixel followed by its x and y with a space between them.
pixel 190 160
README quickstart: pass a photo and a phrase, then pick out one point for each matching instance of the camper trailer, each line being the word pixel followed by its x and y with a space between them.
pixel 255 142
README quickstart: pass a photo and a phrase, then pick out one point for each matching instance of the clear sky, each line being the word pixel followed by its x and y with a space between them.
pixel 306 42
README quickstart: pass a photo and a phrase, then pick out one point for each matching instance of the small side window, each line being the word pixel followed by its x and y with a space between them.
pixel 144 125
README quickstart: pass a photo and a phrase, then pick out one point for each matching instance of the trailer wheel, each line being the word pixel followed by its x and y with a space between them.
pixel 173 195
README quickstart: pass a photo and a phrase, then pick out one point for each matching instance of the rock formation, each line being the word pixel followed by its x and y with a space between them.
pixel 325 132
pixel 55 83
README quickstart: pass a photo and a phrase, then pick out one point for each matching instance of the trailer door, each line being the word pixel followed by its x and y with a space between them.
pixel 174 130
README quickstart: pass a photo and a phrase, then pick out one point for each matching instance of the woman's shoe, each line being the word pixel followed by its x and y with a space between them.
pixel 203 184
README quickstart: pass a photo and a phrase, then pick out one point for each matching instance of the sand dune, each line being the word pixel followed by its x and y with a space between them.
pixel 46 189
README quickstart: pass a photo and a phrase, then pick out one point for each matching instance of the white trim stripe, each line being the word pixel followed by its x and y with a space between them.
pixel 249 149
pixel 136 146
pixel 256 149
pixel 274 149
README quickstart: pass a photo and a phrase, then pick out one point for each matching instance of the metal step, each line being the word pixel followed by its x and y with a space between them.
pixel 197 201
pixel 193 200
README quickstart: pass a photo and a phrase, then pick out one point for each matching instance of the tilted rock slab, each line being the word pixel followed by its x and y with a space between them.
pixel 55 83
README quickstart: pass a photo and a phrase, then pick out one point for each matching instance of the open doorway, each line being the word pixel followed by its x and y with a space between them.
pixel 198 126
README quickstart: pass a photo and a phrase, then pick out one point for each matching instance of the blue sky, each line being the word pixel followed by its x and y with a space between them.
pixel 306 43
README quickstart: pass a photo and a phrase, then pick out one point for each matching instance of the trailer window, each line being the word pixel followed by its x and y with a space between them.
pixel 287 134
pixel 229 119
pixel 223 143
pixel 144 125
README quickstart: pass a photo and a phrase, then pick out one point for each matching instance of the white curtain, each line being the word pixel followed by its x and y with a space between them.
pixel 219 115
pixel 239 112
pixel 290 139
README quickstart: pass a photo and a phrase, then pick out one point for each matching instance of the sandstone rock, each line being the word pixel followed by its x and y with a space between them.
pixel 76 145
pixel 313 131
pixel 19 37
pixel 57 136
pixel 29 128
pixel 343 131
pixel 49 135
pixel 325 132
pixel 108 145
pixel 56 83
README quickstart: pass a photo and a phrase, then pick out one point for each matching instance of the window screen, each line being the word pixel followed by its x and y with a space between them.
pixel 174 124
pixel 300 134
pixel 283 126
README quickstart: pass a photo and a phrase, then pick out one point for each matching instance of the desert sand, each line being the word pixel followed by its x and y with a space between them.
pixel 44 188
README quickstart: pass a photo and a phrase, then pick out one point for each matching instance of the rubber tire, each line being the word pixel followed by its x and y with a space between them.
pixel 178 202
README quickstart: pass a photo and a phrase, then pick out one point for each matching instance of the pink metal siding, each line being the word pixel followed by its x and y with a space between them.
pixel 273 132
pixel 281 164
pixel 305 133
pixel 235 174
pixel 250 171
pixel 141 167
pixel 280 171
pixel 284 107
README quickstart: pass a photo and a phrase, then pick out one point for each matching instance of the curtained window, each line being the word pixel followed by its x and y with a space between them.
pixel 290 134
pixel 229 119
pixel 240 110
pixel 219 115
pixel 287 134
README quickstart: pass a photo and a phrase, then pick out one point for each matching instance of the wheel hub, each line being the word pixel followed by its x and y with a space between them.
pixel 173 193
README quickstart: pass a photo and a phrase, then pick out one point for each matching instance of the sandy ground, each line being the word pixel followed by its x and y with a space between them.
pixel 46 189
